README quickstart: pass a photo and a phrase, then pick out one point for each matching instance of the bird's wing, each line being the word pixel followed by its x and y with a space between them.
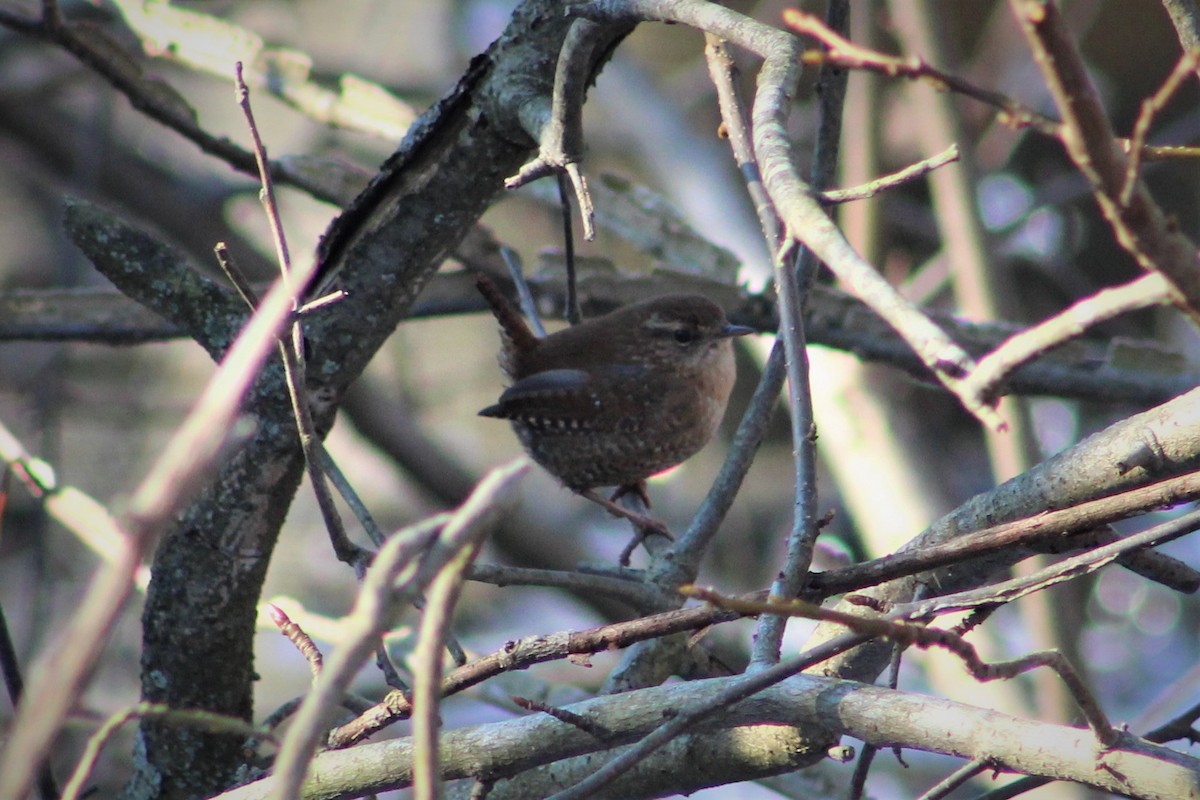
pixel 565 397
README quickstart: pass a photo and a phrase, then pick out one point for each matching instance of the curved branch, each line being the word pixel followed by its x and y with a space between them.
pixel 802 214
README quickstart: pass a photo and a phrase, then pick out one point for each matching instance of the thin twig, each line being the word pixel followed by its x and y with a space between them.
pixel 1070 323
pixel 410 560
pixel 1139 224
pixel 862 768
pixel 637 593
pixel 898 178
pixel 528 305
pixel 181 467
pixel 281 714
pixel 427 665
pixel 560 132
pixel 954 780
pixel 327 465
pixel 587 212
pixel 845 54
pixel 1183 726
pixel 351 497
pixel 1066 570
pixel 1150 107
pixel 792 282
pixel 293 353
pixel 235 275
pixel 325 300
pixel 573 315
pixel 897 629
pixel 202 720
pixel 530 650
pixel 736 690
pixel 723 72
pixel 369 617
pixel 391 676
pixel 1010 535
pixel 563 715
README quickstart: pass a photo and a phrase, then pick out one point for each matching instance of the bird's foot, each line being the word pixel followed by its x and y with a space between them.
pixel 645 525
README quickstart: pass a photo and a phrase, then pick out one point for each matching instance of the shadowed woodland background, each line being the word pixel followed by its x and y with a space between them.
pixel 95 391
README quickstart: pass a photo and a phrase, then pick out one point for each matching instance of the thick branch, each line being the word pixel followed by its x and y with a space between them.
pixel 208 572
pixel 878 716
pixel 1146 447
pixel 1098 370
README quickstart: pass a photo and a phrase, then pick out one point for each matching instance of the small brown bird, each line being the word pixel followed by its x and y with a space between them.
pixel 616 399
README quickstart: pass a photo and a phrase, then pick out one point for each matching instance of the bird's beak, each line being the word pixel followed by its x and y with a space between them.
pixel 730 331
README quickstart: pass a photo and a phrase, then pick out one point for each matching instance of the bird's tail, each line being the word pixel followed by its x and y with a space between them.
pixel 514 325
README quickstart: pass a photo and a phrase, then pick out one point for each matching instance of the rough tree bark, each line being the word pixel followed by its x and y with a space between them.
pixel 208 571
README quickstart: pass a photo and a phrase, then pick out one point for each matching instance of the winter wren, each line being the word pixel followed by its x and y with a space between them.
pixel 616 399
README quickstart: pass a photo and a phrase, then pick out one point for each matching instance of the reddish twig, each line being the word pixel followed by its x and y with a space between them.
pixel 528 651
pixel 908 633
pixel 296 635
pixel 844 53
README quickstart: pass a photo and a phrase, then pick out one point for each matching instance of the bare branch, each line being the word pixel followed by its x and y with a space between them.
pixel 1139 224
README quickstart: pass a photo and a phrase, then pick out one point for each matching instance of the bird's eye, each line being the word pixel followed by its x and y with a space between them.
pixel 684 335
